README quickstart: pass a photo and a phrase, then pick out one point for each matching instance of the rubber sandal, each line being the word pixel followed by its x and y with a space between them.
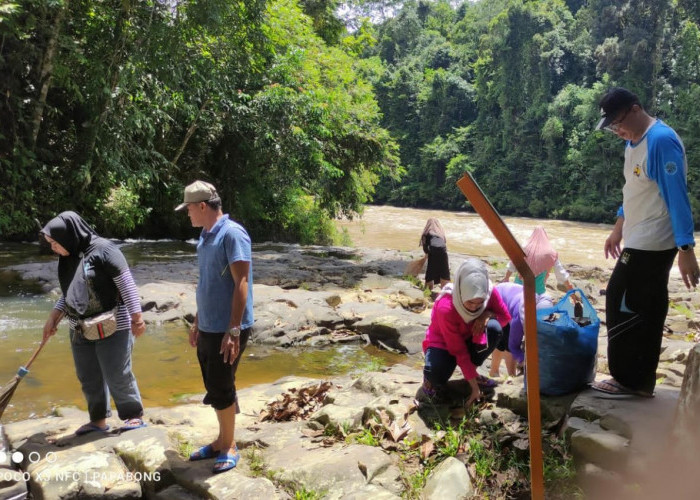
pixel 613 387
pixel 226 461
pixel 204 453
pixel 133 423
pixel 90 427
pixel 485 382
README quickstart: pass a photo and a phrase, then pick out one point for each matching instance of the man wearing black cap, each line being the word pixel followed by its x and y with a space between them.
pixel 656 223
pixel 224 313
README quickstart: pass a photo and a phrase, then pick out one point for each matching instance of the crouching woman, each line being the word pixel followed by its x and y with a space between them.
pixel 465 327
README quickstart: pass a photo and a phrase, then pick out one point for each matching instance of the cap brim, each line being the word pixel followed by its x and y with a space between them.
pixel 180 206
pixel 604 122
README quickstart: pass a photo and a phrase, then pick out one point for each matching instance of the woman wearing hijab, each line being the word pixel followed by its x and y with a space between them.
pixel 465 327
pixel 434 246
pixel 541 257
pixel 94 277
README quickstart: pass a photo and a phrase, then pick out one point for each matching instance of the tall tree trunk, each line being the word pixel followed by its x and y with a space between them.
pixel 46 73
pixel 189 133
pixel 88 138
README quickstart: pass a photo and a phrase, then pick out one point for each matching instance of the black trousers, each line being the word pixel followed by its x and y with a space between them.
pixel 219 377
pixel 636 305
pixel 440 364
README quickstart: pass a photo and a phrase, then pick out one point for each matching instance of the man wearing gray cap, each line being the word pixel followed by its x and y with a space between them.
pixel 656 223
pixel 224 316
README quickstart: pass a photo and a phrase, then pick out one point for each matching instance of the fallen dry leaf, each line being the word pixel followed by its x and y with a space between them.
pixel 296 404
pixel 426 448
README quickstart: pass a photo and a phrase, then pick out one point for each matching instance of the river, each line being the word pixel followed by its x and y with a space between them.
pixel 165 364
pixel 400 229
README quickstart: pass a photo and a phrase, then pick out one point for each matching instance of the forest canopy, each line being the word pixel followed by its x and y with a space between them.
pixel 301 111
pixel 508 90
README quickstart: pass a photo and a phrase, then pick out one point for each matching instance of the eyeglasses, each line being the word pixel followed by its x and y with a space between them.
pixel 615 124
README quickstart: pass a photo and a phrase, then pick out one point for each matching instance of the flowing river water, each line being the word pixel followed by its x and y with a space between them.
pixel 166 366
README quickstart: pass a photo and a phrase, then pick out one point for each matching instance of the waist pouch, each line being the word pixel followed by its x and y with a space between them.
pixel 99 326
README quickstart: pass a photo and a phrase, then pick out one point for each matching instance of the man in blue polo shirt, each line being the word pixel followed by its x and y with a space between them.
pixel 224 317
pixel 656 223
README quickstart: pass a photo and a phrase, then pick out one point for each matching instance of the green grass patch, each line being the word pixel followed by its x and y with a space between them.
pixel 497 458
pixel 184 447
pixel 304 494
pixel 255 463
pixel 365 437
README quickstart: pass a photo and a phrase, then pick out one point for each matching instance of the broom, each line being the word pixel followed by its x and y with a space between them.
pixel 415 267
pixel 9 389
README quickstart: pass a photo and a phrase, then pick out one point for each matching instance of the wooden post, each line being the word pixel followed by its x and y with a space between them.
pixel 515 253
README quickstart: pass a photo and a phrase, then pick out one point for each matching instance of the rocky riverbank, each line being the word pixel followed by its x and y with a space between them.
pixel 354 437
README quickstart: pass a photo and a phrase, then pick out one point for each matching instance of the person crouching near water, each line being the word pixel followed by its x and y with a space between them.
pixel 465 327
pixel 94 277
pixel 434 245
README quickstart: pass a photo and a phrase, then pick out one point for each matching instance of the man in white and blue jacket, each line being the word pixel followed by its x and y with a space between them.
pixel 656 223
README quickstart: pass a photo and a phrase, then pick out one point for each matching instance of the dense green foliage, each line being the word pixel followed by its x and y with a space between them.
pixel 297 110
pixel 110 107
pixel 507 89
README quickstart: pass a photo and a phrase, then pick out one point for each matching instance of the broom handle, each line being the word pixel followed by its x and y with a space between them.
pixel 36 353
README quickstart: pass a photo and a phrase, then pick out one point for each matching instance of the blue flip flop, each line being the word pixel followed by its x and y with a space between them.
pixel 226 461
pixel 203 453
pixel 90 427
pixel 132 423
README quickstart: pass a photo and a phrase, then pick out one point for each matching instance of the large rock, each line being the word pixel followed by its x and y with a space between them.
pixel 398 330
pixel 147 452
pixel 645 424
pixel 600 447
pixel 12 484
pixel 82 473
pixel 686 432
pixel 338 472
pixel 514 397
pixel 198 480
pixel 449 481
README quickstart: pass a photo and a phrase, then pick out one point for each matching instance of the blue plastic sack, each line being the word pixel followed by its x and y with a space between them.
pixel 567 350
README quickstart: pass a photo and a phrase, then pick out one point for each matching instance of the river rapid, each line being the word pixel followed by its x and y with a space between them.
pixel 400 229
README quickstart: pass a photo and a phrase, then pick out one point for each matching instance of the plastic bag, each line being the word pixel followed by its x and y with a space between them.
pixel 567 345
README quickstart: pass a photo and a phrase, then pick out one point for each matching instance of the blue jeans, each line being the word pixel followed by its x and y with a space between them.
pixel 104 367
pixel 440 364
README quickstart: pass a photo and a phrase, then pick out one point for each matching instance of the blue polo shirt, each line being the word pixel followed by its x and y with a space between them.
pixel 226 243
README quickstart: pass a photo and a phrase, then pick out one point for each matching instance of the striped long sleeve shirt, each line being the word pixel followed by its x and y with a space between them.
pixel 130 302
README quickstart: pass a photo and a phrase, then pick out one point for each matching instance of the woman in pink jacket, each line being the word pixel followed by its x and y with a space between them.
pixel 465 327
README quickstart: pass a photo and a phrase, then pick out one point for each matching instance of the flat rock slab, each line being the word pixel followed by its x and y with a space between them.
pixel 646 422
pixel 337 472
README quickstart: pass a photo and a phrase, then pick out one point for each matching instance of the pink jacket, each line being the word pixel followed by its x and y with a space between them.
pixel 448 330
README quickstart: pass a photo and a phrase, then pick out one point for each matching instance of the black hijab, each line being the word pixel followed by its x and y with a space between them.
pixel 72 233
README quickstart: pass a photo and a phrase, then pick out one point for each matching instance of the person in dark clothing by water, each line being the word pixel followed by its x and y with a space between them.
pixel 94 277
pixel 434 245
